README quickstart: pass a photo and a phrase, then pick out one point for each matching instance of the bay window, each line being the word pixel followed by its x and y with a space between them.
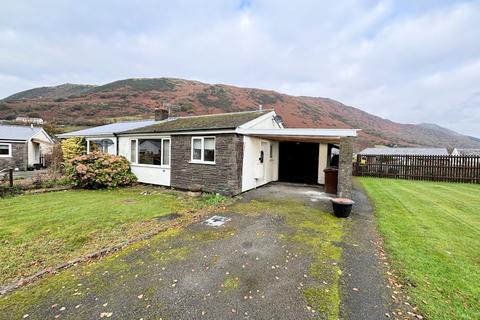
pixel 203 149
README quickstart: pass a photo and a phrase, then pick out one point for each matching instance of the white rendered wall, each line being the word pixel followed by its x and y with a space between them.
pixel 158 175
pixel 322 162
pixel 33 153
pixel 255 174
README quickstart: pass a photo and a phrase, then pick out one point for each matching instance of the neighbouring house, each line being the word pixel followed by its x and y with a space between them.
pixel 105 138
pixel 392 161
pixel 29 120
pixel 23 147
pixel 465 152
pixel 226 153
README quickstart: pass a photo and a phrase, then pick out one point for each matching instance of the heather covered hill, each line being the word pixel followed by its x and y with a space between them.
pixel 55 92
pixel 136 98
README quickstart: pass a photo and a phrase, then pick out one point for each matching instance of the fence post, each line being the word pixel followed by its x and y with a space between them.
pixel 10 177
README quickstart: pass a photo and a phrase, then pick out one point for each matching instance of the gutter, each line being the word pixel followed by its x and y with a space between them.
pixel 117 146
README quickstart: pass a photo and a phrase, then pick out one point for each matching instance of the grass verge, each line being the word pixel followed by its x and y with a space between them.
pixel 431 232
pixel 40 231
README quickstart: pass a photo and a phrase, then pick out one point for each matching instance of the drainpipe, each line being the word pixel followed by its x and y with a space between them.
pixel 117 147
pixel 25 159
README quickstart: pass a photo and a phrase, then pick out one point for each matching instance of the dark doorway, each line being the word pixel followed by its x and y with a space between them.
pixel 298 162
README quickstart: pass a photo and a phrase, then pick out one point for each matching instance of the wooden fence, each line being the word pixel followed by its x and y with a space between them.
pixel 464 169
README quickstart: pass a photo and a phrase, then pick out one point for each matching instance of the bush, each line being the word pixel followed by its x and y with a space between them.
pixel 7 191
pixel 54 160
pixel 99 170
pixel 73 147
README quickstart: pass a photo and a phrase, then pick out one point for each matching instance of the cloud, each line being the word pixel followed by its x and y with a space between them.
pixel 410 61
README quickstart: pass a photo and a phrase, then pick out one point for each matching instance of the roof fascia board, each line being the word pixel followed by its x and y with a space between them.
pixel 12 141
pixel 177 133
pixel 100 135
pixel 301 132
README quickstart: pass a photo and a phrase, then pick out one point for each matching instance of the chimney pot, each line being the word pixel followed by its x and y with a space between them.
pixel 161 114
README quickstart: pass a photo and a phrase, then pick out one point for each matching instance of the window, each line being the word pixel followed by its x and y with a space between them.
pixel 197 149
pixel 5 150
pixel 154 151
pixel 271 151
pixel 104 145
pixel 133 151
pixel 166 152
pixel 203 149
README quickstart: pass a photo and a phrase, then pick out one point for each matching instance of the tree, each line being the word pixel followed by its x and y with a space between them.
pixel 73 147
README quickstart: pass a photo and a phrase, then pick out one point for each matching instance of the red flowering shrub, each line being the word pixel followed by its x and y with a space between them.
pixel 99 170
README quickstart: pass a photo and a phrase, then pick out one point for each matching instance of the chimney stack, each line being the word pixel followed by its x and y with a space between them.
pixel 161 114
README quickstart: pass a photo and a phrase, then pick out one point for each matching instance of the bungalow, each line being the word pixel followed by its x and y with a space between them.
pixel 22 147
pixel 227 153
pixel 404 151
pixel 465 152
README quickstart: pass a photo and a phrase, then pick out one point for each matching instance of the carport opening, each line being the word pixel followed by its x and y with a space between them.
pixel 298 162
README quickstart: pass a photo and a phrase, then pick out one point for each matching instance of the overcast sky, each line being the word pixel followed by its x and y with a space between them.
pixel 408 61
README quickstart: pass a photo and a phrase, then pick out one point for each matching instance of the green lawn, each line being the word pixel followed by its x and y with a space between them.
pixel 432 235
pixel 38 231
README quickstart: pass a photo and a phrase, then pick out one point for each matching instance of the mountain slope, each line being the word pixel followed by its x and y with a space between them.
pixel 56 92
pixel 136 98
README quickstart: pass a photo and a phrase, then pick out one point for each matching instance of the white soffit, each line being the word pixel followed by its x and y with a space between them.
pixel 300 132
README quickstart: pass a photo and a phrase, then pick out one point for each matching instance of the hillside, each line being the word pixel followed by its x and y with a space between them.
pixel 56 92
pixel 136 98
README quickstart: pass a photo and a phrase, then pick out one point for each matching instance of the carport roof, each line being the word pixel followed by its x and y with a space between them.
pixel 300 134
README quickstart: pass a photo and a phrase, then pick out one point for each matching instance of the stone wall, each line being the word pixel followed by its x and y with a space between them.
pixel 225 176
pixel 344 187
pixel 19 157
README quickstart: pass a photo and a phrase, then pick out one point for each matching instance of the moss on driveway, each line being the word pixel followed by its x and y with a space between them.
pixel 273 259
pixel 315 233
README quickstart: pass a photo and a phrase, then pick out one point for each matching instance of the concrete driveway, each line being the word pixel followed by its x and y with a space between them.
pixel 281 256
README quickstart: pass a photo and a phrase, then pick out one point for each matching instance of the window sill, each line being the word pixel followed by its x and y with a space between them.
pixel 5 156
pixel 202 162
pixel 154 166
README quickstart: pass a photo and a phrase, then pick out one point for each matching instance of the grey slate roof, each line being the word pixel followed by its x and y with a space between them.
pixel 21 133
pixel 205 122
pixel 405 151
pixel 468 152
pixel 108 129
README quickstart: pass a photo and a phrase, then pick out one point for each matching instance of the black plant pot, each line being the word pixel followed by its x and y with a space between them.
pixel 342 207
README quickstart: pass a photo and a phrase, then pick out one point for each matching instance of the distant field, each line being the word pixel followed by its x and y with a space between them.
pixel 432 236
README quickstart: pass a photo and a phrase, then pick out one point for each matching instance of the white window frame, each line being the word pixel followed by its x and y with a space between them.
pixel 130 150
pixel 9 155
pixel 137 157
pixel 202 161
pixel 169 152
pixel 100 139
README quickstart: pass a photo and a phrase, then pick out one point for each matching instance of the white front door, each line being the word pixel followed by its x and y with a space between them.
pixel 262 162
